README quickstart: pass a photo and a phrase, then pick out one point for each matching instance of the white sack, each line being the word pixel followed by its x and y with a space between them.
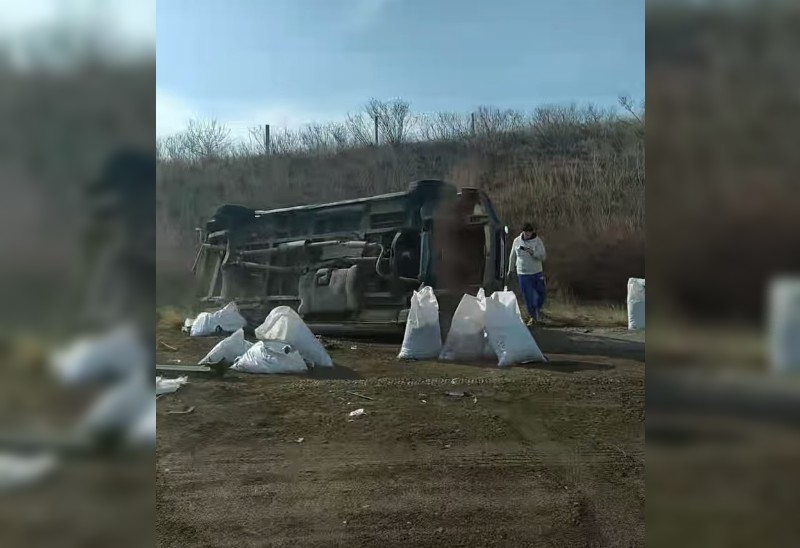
pixel 784 325
pixel 270 357
pixel 511 341
pixel 467 340
pixel 423 336
pixel 119 353
pixel 285 325
pixel 227 320
pixel 168 386
pixel 636 312
pixel 509 300
pixel 228 349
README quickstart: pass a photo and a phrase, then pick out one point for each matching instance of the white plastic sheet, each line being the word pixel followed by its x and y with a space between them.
pixel 467 340
pixel 119 353
pixel 228 349
pixel 284 325
pixel 511 341
pixel 168 386
pixel 225 320
pixel 267 357
pixel 423 336
pixel 636 310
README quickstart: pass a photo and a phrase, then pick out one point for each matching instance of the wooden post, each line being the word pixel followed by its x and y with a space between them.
pixel 376 130
pixel 266 139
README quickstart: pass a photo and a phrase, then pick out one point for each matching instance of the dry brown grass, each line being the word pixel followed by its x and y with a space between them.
pixel 169 317
pixel 581 181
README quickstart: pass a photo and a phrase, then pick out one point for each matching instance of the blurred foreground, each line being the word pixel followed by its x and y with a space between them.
pixel 77 172
pixel 722 226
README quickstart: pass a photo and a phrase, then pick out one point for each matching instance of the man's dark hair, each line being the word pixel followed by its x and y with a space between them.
pixel 527 227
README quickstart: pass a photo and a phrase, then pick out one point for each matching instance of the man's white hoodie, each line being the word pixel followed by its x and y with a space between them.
pixel 526 256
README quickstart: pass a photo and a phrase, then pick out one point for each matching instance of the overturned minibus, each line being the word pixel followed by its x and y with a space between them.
pixel 352 266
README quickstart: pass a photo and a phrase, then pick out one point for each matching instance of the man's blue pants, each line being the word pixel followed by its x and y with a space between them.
pixel 534 292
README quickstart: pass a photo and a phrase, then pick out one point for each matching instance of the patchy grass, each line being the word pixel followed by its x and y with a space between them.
pixel 170 317
pixel 567 313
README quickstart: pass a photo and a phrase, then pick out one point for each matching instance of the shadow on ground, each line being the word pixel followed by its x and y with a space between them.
pixel 568 366
pixel 556 341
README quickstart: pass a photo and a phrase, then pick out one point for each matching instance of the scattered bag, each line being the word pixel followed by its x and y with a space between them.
pixel 423 336
pixel 227 350
pixel 267 357
pixel 284 325
pixel 467 340
pixel 168 386
pixel 225 320
pixel 636 312
pixel 511 341
pixel 119 353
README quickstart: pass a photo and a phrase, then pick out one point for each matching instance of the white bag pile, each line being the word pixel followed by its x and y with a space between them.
pixel 481 329
pixel 284 325
pixel 423 336
pixel 225 320
pixel 227 350
pixel 636 311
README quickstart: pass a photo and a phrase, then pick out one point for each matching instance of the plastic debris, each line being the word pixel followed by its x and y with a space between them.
pixel 168 386
pixel 357 413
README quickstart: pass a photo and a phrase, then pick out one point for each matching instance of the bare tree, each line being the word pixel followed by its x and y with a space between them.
pixel 284 142
pixel 492 121
pixel 394 119
pixel 444 126
pixel 359 126
pixel 203 139
pixel 257 140
pixel 627 103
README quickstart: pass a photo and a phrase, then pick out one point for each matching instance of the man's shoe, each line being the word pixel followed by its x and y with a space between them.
pixel 531 322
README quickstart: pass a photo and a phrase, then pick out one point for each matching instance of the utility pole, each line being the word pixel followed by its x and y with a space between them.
pixel 376 130
pixel 266 139
pixel 472 125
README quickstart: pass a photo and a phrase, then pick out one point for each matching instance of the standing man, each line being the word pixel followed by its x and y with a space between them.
pixel 527 255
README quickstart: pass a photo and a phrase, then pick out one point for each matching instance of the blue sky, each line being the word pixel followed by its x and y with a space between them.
pixel 289 62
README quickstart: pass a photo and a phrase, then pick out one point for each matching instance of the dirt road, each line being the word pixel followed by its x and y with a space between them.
pixel 547 455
